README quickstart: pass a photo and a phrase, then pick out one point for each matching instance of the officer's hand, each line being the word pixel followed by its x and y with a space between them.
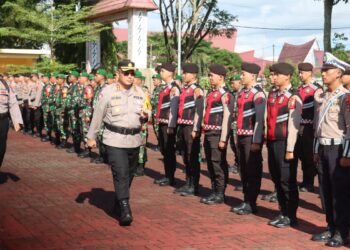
pixel 170 131
pixel 222 145
pixel 289 156
pixel 91 143
pixel 17 127
pixel 255 147
pixel 144 114
pixel 345 162
pixel 195 134
pixel 316 158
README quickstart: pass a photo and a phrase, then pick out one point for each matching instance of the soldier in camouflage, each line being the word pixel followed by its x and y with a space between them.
pixel 85 111
pixel 62 113
pixel 158 86
pixel 45 106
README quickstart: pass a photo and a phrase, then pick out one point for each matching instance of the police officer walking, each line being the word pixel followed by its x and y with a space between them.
pixel 304 146
pixel 217 122
pixel 190 115
pixel 251 103
pixel 283 121
pixel 8 108
pixel 332 122
pixel 120 109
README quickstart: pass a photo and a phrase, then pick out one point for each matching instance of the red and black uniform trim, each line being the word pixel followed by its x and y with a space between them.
pixel 246 110
pixel 163 108
pixel 214 111
pixel 187 107
pixel 306 93
pixel 278 114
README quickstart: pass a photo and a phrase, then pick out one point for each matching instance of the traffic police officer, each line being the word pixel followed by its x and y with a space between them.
pixel 304 146
pixel 190 115
pixel 8 108
pixel 251 103
pixel 217 122
pixel 332 121
pixel 283 121
pixel 166 116
pixel 120 108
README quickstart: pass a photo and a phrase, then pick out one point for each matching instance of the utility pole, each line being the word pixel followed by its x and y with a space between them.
pixel 179 33
pixel 273 53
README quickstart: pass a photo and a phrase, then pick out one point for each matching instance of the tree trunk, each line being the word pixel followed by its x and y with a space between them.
pixel 328 8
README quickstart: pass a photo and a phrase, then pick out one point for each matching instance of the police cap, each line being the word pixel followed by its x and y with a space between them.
pixel 284 68
pixel 252 68
pixel 218 69
pixel 190 68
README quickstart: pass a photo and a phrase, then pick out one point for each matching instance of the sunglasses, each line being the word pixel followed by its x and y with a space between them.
pixel 128 73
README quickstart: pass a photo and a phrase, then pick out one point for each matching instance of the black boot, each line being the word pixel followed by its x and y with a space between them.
pixel 46 138
pixel 85 153
pixel 183 188
pixel 192 188
pixel 63 144
pixel 125 217
pixel 140 170
pixel 98 160
pixel 57 140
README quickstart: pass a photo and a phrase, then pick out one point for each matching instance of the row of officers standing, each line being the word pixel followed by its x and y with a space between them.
pixel 306 123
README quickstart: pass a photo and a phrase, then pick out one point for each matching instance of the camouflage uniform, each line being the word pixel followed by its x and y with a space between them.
pixel 54 95
pixel 73 115
pixel 85 111
pixel 45 99
pixel 63 115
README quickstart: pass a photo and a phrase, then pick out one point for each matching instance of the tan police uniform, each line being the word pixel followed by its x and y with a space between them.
pixel 8 108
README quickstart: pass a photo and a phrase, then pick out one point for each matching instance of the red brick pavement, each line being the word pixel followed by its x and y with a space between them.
pixel 50 199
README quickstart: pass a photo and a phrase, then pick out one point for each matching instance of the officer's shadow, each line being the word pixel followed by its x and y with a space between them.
pixel 99 198
pixel 5 176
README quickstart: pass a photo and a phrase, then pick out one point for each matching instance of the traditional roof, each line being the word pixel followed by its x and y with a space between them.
pixel 111 7
pixel 295 53
pixel 248 56
pixel 319 54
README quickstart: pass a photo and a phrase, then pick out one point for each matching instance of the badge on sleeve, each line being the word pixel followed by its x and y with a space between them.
pixel 292 103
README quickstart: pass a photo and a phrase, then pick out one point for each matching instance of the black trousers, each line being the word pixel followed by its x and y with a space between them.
pixel 191 150
pixel 123 163
pixel 167 145
pixel 304 152
pixel 216 161
pixel 234 148
pixel 329 162
pixel 25 115
pixel 251 169
pixel 4 128
pixel 36 120
pixel 342 200
pixel 284 176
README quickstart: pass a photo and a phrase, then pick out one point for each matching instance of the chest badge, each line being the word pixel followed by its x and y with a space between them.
pixel 281 100
pixel 307 90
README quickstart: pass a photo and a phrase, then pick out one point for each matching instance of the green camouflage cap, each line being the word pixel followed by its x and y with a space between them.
pixel 85 74
pixel 236 77
pixel 55 74
pixel 62 76
pixel 138 74
pixel 102 72
pixel 74 73
pixel 110 76
pixel 157 76
pixel 143 77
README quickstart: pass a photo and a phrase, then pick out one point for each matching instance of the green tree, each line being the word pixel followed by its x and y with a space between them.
pixel 52 26
pixel 339 49
pixel 200 18
pixel 327 25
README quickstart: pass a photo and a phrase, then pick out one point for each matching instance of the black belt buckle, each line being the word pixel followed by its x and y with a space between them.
pixel 124 131
pixel 332 142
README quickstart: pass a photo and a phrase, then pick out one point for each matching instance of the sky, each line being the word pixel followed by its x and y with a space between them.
pixel 276 14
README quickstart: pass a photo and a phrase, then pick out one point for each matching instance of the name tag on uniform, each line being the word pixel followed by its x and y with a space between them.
pixel 138 97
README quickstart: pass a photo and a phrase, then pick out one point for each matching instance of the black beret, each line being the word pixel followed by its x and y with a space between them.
pixel 168 66
pixel 190 68
pixel 272 68
pixel 251 68
pixel 284 68
pixel 218 69
pixel 305 67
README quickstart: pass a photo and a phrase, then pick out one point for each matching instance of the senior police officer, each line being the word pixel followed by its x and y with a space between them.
pixel 251 103
pixel 166 116
pixel 8 108
pixel 190 115
pixel 332 121
pixel 304 146
pixel 217 122
pixel 120 109
pixel 283 121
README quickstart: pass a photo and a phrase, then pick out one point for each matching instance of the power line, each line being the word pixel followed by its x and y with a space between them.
pixel 296 29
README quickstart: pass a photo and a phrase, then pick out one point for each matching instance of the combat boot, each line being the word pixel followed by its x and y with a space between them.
pixel 63 144
pixel 125 217
pixel 85 153
pixel 140 170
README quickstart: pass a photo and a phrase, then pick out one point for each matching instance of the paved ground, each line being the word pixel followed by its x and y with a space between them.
pixel 50 199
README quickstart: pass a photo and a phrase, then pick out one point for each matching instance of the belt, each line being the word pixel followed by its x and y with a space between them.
pixel 330 142
pixel 122 130
pixel 4 115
